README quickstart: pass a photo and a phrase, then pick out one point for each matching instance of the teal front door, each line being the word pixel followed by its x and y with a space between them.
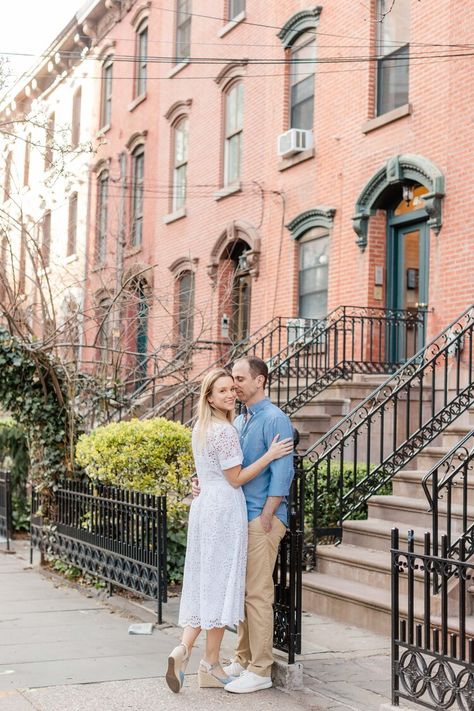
pixel 407 286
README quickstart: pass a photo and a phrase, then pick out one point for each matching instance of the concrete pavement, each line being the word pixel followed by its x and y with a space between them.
pixel 62 649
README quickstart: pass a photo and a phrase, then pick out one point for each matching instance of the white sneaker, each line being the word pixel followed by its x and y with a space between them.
pixel 233 669
pixel 248 682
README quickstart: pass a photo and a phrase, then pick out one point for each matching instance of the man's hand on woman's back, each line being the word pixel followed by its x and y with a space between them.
pixel 195 488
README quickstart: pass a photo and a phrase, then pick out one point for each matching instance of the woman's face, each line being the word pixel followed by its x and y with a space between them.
pixel 222 396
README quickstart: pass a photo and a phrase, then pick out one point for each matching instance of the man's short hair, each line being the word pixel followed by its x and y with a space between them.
pixel 257 366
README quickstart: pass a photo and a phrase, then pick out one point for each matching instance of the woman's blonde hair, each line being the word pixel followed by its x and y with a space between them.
pixel 205 412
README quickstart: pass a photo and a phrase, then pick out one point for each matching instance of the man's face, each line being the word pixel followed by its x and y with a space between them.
pixel 246 387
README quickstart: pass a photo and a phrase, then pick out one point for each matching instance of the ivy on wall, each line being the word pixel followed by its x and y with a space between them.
pixel 33 389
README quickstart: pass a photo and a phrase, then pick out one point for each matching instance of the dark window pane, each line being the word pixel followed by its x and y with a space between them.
pixel 235 8
pixel 393 81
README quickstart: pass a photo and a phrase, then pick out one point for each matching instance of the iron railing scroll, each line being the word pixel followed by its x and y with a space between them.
pixel 6 525
pixel 432 650
pixel 114 534
pixel 287 574
pixel 381 435
pixel 449 488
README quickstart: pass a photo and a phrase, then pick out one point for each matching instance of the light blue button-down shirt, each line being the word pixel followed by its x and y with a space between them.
pixel 256 434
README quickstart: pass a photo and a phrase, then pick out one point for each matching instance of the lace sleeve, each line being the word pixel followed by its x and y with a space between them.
pixel 227 446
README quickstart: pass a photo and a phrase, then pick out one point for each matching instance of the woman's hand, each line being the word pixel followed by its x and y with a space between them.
pixel 280 449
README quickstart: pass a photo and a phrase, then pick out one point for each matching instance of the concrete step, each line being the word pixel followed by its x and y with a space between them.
pixel 429 457
pixel 408 483
pixel 376 534
pixel 402 511
pixel 361 605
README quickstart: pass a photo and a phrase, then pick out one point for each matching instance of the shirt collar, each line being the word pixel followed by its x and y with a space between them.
pixel 260 405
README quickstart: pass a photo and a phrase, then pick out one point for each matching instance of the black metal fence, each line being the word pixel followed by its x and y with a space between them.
pixel 6 525
pixel 114 534
pixel 432 648
pixel 288 573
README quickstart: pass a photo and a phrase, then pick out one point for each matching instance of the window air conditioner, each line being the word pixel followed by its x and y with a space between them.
pixel 294 141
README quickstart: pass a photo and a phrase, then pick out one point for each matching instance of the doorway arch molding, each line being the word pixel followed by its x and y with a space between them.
pixel 400 168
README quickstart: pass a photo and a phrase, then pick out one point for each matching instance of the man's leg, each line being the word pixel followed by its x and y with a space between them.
pixel 242 652
pixel 259 596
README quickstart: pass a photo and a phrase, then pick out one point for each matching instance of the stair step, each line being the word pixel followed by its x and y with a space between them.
pixel 360 604
pixel 404 510
pixel 408 483
pixel 376 534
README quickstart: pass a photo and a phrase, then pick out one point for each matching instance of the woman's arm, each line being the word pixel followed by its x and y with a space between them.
pixel 238 475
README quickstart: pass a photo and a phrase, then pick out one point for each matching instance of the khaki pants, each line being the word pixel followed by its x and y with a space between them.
pixel 255 636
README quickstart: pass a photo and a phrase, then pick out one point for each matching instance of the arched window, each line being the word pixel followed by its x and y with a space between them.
pixel 180 167
pixel 185 304
pixel 72 225
pixel 101 216
pixel 138 172
pixel 141 58
pixel 104 333
pixel 46 239
pixel 7 178
pixel 106 93
pixel 233 125
pixel 313 273
pixel 301 94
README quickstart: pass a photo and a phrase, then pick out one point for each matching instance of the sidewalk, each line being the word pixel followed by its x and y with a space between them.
pixel 63 649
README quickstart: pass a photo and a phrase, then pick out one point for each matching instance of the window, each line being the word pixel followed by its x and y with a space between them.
pixel 22 263
pixel 76 118
pixel 302 56
pixel 106 101
pixel 180 163
pixel 393 34
pixel 234 100
pixel 138 167
pixel 26 164
pixel 46 239
pixel 49 142
pixel 142 52
pixel 183 30
pixel 72 225
pixel 3 266
pixel 104 334
pixel 313 273
pixel 185 306
pixel 235 7
pixel 102 208
pixel 7 178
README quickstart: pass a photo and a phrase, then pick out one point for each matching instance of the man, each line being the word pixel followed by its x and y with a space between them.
pixel 266 498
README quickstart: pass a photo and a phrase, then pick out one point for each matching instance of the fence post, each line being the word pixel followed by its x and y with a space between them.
pixel 395 617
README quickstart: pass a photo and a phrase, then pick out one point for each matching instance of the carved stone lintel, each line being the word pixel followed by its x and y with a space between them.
pixel 360 224
pixel 212 270
pixel 433 208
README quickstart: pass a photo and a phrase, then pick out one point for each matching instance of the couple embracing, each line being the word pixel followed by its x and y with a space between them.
pixel 237 520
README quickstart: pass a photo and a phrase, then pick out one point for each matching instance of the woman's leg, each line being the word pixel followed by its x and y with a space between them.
pixel 190 635
pixel 213 647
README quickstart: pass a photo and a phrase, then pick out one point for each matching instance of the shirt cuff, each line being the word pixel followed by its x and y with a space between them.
pixel 278 490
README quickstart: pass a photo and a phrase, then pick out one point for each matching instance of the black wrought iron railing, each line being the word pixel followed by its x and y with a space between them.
pixel 351 339
pixel 449 488
pixel 115 534
pixel 363 452
pixel 432 637
pixel 274 337
pixel 5 507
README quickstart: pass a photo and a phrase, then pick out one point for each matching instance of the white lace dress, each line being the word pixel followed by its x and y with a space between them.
pixel 216 554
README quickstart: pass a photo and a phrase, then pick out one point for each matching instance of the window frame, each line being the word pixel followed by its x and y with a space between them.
pixel 382 106
pixel 137 196
pixel 297 45
pixel 72 224
pixel 101 217
pixel 46 239
pixel 76 117
pixel 179 166
pixel 312 235
pixel 185 334
pixel 140 83
pixel 106 92
pixel 49 141
pixel 27 160
pixel 230 135
pixel 183 27
pixel 7 178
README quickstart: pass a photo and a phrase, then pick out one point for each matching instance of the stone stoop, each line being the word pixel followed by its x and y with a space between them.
pixel 352 582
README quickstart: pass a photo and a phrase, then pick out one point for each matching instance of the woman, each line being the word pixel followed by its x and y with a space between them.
pixel 216 555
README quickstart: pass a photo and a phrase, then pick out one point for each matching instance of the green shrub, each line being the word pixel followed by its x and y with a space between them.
pixel 14 456
pixel 151 456
pixel 328 493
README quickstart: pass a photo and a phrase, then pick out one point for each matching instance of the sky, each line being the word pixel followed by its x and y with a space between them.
pixel 29 26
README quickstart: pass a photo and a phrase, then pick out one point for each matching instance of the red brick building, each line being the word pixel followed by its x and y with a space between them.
pixel 226 223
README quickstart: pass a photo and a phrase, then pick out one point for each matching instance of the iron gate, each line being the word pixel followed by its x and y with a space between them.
pixel 288 573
